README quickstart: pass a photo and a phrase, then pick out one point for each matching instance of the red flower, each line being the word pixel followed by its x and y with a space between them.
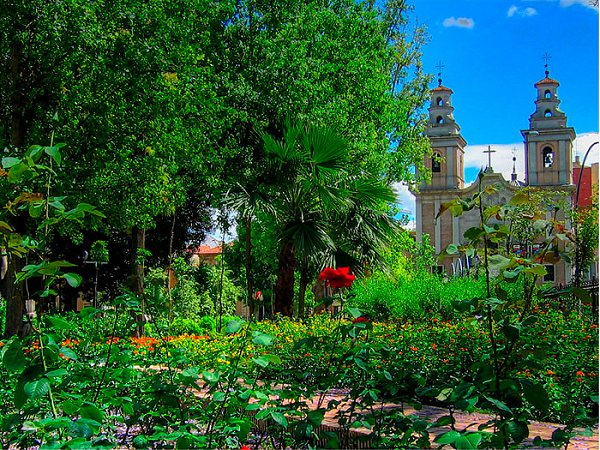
pixel 244 447
pixel 360 319
pixel 337 278
pixel 258 295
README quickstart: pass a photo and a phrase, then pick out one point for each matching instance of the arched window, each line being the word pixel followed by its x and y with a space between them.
pixel 436 165
pixel 439 101
pixel 548 157
pixel 547 94
pixel 439 120
pixel 548 113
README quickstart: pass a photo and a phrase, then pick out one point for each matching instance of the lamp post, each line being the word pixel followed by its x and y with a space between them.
pixel 577 243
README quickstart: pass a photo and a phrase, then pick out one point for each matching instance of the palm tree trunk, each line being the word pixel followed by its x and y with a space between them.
pixel 302 288
pixel 249 274
pixel 284 291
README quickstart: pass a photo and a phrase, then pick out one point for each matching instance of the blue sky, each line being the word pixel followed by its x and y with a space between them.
pixel 492 52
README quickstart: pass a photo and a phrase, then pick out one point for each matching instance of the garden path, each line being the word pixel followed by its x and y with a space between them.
pixel 464 421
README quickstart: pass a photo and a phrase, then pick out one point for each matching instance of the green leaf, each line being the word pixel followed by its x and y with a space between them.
pixel 536 395
pixel 260 338
pixel 498 404
pixel 211 377
pixel 452 249
pixel 233 326
pixel 279 418
pixel 10 161
pixel 511 331
pixel 35 210
pixel 71 407
pixel 518 430
pixel 92 412
pixel 467 441
pixel 68 353
pixel 37 388
pixel 498 262
pixel 449 437
pixel 13 357
pixel 354 312
pixel 57 373
pixel 73 279
pixel 54 152
pixel 60 324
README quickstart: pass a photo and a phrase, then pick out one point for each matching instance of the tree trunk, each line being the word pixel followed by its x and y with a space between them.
pixel 138 241
pixel 249 274
pixel 284 291
pixel 302 289
pixel 12 292
pixel 15 299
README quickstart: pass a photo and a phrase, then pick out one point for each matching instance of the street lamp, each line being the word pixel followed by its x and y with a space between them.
pixel 577 243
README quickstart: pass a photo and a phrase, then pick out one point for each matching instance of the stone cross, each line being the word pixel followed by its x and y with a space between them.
pixel 489 151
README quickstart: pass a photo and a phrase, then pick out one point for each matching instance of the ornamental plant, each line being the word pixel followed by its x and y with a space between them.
pixel 337 278
pixel 492 385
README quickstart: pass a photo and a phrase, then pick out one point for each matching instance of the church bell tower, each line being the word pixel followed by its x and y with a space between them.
pixel 548 141
pixel 447 144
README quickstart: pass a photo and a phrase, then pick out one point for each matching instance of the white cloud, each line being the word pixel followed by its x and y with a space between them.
pixel 567 3
pixel 524 12
pixel 461 22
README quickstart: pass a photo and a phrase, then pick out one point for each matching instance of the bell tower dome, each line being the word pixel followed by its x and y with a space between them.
pixel 548 141
pixel 447 144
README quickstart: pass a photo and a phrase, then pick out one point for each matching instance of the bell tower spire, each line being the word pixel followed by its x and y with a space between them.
pixel 447 144
pixel 548 141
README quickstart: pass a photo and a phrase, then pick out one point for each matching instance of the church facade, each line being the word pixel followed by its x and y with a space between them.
pixel 548 148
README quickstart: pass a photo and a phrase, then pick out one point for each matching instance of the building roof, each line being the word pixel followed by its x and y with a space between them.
pixel 547 80
pixel 441 88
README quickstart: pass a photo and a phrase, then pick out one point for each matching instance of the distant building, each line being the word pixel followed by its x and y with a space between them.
pixel 206 253
pixel 549 166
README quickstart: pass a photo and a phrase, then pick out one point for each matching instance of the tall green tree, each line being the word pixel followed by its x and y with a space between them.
pixel 347 65
pixel 137 98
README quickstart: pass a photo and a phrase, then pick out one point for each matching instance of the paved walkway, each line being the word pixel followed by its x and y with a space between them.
pixel 463 421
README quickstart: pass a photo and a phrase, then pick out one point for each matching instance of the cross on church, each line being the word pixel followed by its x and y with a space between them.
pixel 547 59
pixel 439 67
pixel 489 151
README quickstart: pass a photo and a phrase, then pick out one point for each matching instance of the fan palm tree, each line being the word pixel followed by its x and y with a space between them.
pixel 312 191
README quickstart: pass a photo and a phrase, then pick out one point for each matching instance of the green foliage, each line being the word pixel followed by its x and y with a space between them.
pixel 197 291
pixel 422 296
pixel 99 251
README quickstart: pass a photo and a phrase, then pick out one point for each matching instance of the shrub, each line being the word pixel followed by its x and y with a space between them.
pixel 412 299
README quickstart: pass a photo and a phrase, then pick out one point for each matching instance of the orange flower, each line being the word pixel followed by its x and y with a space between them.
pixel 580 373
pixel 414 349
pixel 549 372
pixel 434 346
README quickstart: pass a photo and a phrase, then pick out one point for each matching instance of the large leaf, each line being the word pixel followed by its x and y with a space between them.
pixel 12 356
pixel 37 388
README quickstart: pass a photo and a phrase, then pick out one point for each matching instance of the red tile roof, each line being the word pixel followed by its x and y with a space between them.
pixel 441 88
pixel 547 81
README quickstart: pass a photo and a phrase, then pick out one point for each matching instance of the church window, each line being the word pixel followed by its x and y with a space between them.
pixel 548 157
pixel 436 166
pixel 439 120
pixel 548 113
pixel 549 272
pixel 439 101
pixel 547 94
